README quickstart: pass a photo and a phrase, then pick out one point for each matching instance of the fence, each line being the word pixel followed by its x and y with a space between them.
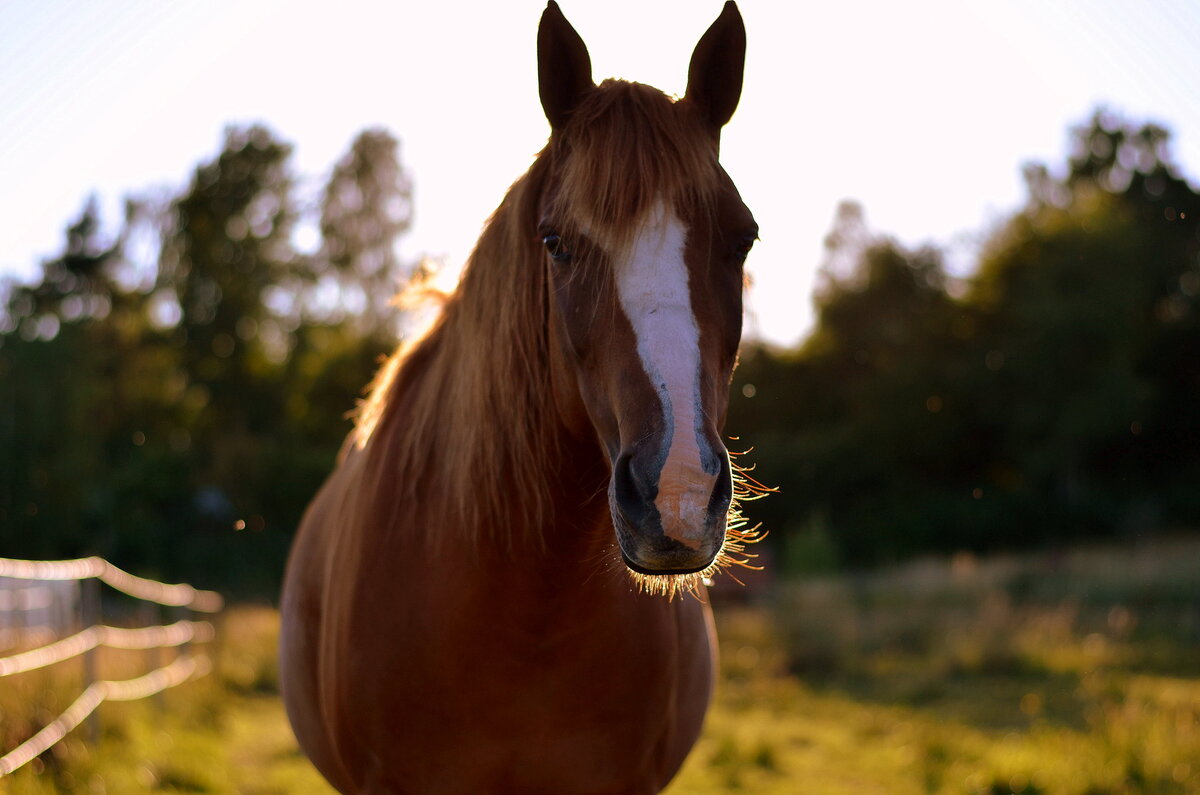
pixel 69 588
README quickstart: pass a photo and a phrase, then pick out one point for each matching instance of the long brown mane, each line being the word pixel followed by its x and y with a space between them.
pixel 627 146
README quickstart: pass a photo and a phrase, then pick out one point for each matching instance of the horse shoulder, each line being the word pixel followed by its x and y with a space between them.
pixel 303 624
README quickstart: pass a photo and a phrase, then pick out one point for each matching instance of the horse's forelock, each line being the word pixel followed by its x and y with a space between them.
pixel 628 146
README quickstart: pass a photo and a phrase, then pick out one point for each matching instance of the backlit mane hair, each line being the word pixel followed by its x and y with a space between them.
pixel 451 411
pixel 625 147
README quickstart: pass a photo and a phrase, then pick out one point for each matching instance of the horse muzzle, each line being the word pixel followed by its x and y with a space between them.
pixel 668 522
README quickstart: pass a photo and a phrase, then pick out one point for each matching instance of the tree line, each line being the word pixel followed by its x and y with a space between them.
pixel 172 394
pixel 171 398
pixel 1050 396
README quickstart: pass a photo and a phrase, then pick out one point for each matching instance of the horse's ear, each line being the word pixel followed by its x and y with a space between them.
pixel 715 74
pixel 564 66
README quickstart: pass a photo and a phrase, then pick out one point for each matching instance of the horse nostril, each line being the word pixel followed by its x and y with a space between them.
pixel 722 495
pixel 632 494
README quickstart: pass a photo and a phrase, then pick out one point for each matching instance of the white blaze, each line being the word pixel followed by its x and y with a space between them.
pixel 652 284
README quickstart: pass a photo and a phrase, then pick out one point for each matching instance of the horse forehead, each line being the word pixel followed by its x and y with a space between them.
pixel 665 263
pixel 655 253
pixel 653 286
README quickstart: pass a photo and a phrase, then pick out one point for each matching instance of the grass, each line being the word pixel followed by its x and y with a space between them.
pixel 224 733
pixel 1072 674
pixel 1076 673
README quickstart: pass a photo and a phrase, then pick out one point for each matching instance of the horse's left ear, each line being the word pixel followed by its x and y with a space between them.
pixel 715 74
pixel 564 66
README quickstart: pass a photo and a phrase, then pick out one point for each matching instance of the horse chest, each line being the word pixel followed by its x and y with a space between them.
pixel 489 693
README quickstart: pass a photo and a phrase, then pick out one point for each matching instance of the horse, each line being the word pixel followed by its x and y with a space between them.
pixel 489 594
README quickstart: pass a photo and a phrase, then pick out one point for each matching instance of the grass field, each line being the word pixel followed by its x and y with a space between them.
pixel 1074 673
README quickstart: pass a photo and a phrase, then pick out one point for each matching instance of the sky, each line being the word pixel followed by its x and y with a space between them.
pixel 922 111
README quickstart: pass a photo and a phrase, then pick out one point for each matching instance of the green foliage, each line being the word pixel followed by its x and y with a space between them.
pixel 177 414
pixel 366 206
pixel 1052 395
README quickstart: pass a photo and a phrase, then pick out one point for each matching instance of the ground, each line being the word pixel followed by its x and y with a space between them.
pixel 1074 674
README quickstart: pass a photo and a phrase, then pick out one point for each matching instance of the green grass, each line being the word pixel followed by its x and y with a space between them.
pixel 224 733
pixel 909 728
pixel 1077 674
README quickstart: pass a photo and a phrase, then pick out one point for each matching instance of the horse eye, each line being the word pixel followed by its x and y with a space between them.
pixel 556 248
pixel 744 245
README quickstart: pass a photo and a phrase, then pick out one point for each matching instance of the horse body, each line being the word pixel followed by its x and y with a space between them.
pixel 489 678
pixel 458 615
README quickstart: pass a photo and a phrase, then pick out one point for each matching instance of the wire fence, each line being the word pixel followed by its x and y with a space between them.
pixel 82 598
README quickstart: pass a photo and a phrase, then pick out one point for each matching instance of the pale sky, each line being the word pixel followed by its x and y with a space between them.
pixel 922 111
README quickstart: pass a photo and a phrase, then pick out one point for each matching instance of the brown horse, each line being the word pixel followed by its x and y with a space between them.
pixel 458 614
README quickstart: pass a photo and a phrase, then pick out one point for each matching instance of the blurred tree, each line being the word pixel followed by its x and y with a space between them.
pixel 226 253
pixel 79 282
pixel 175 409
pixel 1058 397
pixel 855 422
pixel 366 206
pixel 85 385
pixel 1089 317
pixel 228 262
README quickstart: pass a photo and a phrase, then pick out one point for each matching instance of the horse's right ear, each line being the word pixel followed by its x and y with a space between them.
pixel 564 66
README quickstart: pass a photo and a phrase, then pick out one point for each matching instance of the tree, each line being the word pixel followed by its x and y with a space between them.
pixel 1089 302
pixel 366 206
pixel 83 392
pixel 79 283
pixel 854 423
pixel 1058 397
pixel 180 423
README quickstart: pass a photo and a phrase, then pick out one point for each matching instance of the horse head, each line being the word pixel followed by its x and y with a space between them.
pixel 644 239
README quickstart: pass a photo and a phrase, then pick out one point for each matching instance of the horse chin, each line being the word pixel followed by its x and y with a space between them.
pixel 649 551
pixel 666 577
pixel 638 569
pixel 673 582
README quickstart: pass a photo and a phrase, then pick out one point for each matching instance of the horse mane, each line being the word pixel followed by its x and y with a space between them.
pixel 461 421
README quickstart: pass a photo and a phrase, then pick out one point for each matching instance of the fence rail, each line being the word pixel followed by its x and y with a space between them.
pixel 83 643
pixel 176 634
pixel 181 595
